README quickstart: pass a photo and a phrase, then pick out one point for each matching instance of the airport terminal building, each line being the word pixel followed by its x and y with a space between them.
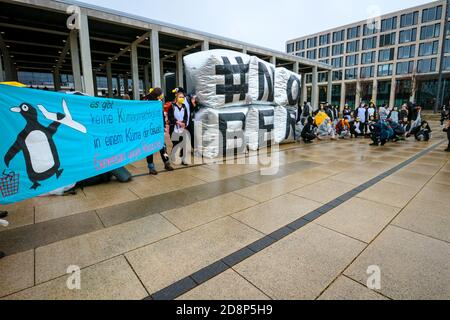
pixel 70 45
pixel 399 58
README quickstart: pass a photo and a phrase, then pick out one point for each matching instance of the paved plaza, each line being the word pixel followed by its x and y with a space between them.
pixel 334 210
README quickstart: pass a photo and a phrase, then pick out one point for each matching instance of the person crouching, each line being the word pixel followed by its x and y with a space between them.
pixel 423 133
pixel 343 129
pixel 308 134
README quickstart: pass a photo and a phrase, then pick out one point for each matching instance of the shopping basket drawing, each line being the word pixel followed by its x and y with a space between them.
pixel 9 184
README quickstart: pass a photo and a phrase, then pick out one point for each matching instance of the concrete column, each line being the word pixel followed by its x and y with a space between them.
pixel 126 88
pixel 315 89
pixel 163 79
pixel 10 68
pixel 358 93
pixel 135 71
pixel 303 93
pixel 343 94
pixel 76 70
pixel 180 70
pixel 205 45
pixel 2 77
pixel 154 57
pixel 15 76
pixel 393 89
pixel 85 49
pixel 146 80
pixel 94 79
pixel 273 60
pixel 56 80
pixel 118 86
pixel 109 79
pixel 375 91
pixel 296 67
pixel 330 87
pixel 244 50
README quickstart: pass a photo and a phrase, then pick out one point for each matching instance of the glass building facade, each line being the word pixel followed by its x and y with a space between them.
pixel 394 60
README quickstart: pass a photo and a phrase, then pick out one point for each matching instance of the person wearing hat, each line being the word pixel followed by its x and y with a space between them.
pixel 156 94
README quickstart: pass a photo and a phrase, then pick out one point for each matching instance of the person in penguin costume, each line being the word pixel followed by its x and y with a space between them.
pixel 36 142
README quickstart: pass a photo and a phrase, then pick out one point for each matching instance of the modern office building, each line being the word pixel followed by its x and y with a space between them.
pixel 395 58
pixel 64 44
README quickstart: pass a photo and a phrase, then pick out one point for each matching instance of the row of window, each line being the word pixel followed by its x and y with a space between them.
pixel 403 68
pixel 389 39
pixel 404 52
pixel 385 70
pixel 406 20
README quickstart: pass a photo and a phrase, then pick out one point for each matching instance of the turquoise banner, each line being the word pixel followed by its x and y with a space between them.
pixel 51 140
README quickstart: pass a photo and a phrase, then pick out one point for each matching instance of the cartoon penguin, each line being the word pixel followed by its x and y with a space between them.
pixel 36 143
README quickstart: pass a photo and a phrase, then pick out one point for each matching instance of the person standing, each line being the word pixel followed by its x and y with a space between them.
pixel 156 94
pixel 194 107
pixel 362 114
pixel 347 113
pixel 371 110
pixel 306 112
pixel 178 119
pixel 444 113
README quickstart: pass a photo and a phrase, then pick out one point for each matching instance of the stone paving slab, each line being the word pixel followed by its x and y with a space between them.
pixel 302 265
pixel 390 194
pixel 358 218
pixel 274 214
pixel 52 260
pixel 324 191
pixel 206 211
pixel 168 261
pixel 16 273
pixel 412 266
pixel 347 289
pixel 41 234
pixel 427 217
pixel 110 280
pixel 227 286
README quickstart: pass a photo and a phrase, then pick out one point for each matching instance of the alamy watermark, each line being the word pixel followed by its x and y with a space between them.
pixel 74 280
pixel 374 280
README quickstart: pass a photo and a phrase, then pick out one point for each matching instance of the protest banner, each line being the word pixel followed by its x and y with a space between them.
pixel 50 140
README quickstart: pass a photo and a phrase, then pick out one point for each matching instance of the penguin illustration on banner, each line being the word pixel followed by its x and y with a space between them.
pixel 37 144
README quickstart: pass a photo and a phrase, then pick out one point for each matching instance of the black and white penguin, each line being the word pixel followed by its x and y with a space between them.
pixel 36 143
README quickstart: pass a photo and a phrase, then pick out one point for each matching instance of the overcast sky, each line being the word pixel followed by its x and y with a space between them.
pixel 267 23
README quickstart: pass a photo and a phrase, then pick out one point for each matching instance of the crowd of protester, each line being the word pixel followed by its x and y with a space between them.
pixel 381 124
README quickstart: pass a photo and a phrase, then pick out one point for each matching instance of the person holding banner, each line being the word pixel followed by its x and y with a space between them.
pixel 178 120
pixel 156 94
